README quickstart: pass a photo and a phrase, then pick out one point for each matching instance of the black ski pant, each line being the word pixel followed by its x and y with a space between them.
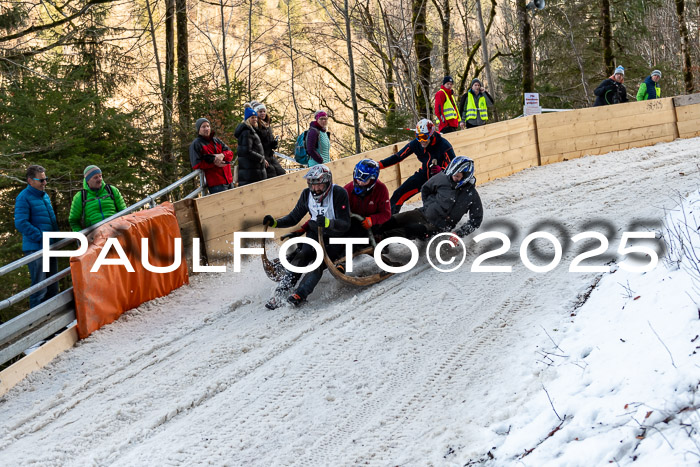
pixel 305 255
pixel 407 190
pixel 410 224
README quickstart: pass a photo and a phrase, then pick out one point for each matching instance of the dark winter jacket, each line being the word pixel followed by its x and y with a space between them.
pixel 648 90
pixel 375 204
pixel 610 92
pixel 251 159
pixel 98 206
pixel 34 215
pixel 444 206
pixel 464 101
pixel 312 141
pixel 269 145
pixel 202 152
pixel 439 149
pixel 337 227
pixel 267 139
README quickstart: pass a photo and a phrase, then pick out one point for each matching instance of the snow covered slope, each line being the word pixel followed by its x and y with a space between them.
pixel 424 368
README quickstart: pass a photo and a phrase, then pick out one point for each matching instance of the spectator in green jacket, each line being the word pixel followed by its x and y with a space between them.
pixel 95 202
pixel 650 89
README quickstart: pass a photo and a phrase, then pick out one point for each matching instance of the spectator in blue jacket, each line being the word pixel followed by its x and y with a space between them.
pixel 33 216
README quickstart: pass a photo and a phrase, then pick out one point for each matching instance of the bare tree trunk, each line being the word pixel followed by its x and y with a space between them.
pixel 423 47
pixel 183 73
pixel 685 47
pixel 445 16
pixel 165 157
pixel 250 51
pixel 608 57
pixel 351 64
pixel 223 49
pixel 485 55
pixel 528 82
pixel 169 89
pixel 291 59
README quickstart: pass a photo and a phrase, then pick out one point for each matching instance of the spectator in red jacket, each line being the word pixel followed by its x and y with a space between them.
pixel 212 156
pixel 368 197
pixel 446 108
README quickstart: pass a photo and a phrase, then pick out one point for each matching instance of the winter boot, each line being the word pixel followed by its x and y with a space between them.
pixel 295 299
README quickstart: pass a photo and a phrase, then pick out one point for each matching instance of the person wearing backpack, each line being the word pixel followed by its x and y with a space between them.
pixel 95 202
pixel 318 140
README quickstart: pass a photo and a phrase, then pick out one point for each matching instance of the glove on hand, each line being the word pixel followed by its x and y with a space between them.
pixel 323 221
pixel 435 169
pixel 465 230
pixel 367 223
pixel 295 233
pixel 454 239
pixel 269 221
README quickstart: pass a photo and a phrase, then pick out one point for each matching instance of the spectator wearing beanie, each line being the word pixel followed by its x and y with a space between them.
pixel 212 156
pixel 318 140
pixel 611 90
pixel 650 89
pixel 473 105
pixel 446 108
pixel 251 155
pixel 268 141
pixel 95 202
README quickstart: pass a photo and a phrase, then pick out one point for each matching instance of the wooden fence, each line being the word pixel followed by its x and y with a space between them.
pixel 499 150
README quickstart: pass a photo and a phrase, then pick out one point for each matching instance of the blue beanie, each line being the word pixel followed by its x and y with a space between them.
pixel 620 69
pixel 249 113
pixel 90 171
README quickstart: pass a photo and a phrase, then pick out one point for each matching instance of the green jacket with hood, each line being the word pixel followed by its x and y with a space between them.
pixel 99 205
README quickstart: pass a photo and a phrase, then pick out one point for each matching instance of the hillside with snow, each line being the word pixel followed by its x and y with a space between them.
pixel 425 368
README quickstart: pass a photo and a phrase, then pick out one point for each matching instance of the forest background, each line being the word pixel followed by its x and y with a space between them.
pixel 119 83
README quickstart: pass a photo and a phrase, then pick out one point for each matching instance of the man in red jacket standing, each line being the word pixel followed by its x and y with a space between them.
pixel 368 197
pixel 446 108
pixel 212 156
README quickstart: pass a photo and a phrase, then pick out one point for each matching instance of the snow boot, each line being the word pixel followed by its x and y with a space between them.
pixel 295 299
pixel 274 303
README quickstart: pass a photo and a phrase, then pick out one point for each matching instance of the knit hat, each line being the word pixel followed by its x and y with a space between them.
pixel 199 122
pixel 90 171
pixel 475 80
pixel 620 69
pixel 260 107
pixel 656 73
pixel 249 112
pixel 319 114
pixel 447 79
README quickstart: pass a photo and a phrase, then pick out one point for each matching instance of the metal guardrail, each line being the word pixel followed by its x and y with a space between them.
pixel 47 318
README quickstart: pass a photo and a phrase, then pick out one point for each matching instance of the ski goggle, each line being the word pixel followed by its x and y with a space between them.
pixel 422 137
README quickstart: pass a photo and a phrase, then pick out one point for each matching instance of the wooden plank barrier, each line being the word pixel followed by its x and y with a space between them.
pixel 243 208
pixel 688 115
pixel 499 150
pixel 599 130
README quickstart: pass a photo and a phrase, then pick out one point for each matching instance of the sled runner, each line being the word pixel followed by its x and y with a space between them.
pixel 353 280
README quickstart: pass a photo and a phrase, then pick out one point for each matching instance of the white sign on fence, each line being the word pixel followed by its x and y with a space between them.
pixel 532 104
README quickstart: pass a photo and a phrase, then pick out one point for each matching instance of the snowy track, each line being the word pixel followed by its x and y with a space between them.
pixel 408 371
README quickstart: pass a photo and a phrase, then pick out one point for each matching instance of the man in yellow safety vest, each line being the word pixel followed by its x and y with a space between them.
pixel 474 104
pixel 446 109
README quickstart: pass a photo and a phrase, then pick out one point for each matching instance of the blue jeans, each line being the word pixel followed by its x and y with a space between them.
pixel 220 188
pixel 37 275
